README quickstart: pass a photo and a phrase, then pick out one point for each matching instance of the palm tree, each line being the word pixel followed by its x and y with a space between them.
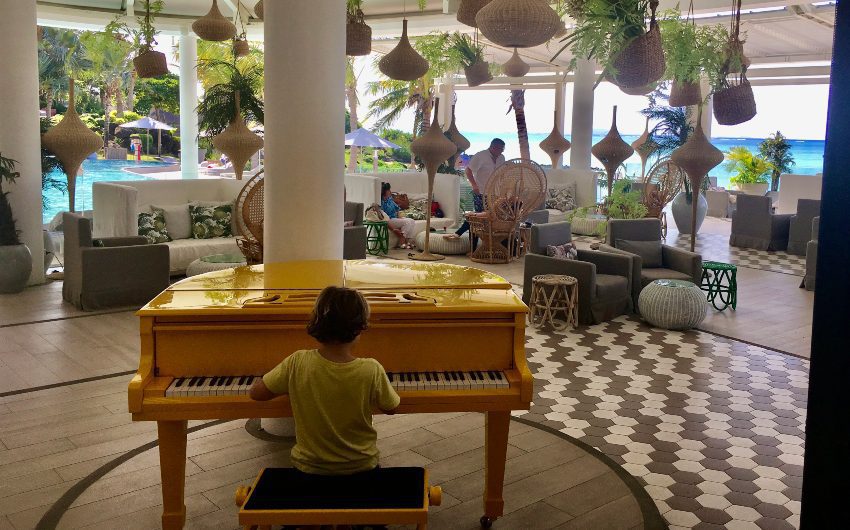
pixel 110 58
pixel 212 54
pixel 518 106
pixel 351 97
pixel 217 108
pixel 61 53
pixel 776 149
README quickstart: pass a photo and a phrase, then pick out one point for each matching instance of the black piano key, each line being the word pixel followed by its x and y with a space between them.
pixel 179 382
pixel 250 380
pixel 229 381
pixel 390 376
pixel 197 381
pixel 214 381
pixel 242 380
pixel 428 376
pixel 499 376
pixel 435 376
pixel 416 376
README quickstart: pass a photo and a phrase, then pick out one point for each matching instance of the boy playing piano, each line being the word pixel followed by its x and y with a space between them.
pixel 331 391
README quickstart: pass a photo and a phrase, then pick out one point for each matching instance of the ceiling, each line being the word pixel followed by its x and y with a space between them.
pixel 789 41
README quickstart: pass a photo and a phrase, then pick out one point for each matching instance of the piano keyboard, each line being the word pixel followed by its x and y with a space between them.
pixel 239 385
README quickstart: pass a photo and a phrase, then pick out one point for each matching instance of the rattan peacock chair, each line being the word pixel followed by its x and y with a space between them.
pixel 515 189
pixel 249 217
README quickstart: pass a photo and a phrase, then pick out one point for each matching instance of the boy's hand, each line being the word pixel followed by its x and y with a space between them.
pixel 259 391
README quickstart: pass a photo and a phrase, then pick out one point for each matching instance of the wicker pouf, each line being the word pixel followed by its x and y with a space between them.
pixel 672 304
pixel 441 245
pixel 587 226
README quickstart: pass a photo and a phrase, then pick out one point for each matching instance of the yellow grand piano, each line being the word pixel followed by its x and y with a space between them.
pixel 450 337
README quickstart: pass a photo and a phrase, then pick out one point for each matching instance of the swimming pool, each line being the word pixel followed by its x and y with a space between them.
pixel 93 171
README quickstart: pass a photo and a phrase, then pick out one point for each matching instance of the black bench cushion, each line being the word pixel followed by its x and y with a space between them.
pixel 290 489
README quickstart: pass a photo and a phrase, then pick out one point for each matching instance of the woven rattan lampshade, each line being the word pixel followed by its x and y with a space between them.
pixel 518 23
pixel 478 73
pixel 238 142
pixel 71 141
pixel 403 63
pixel 515 66
pixel 455 136
pixel 358 35
pixel 433 148
pixel 259 11
pixel 555 145
pixel 468 9
pixel 213 26
pixel 697 157
pixel 644 147
pixel 612 151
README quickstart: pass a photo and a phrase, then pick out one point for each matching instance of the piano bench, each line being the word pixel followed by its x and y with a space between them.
pixel 286 496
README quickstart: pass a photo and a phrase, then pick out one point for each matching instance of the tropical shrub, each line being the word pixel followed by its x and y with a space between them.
pixel 749 168
pixel 776 150
pixel 9 234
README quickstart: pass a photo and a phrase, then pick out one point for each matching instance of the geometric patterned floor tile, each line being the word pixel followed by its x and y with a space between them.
pixel 713 427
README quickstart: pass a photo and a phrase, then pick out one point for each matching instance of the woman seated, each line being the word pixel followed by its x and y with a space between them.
pixel 403 227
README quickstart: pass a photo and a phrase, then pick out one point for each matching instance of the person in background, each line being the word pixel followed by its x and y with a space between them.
pixel 404 227
pixel 478 172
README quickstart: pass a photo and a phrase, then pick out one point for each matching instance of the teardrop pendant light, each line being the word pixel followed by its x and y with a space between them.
pixel 612 151
pixel 403 63
pixel 238 142
pixel 468 9
pixel 518 23
pixel 643 147
pixel 259 11
pixel 456 137
pixel 433 148
pixel 515 66
pixel 213 26
pixel 555 145
pixel 71 141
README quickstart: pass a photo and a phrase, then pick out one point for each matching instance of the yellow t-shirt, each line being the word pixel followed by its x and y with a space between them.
pixel 332 404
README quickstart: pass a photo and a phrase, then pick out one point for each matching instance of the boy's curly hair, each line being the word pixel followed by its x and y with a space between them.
pixel 339 316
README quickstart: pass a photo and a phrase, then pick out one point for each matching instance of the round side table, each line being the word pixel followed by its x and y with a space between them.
pixel 551 294
pixel 377 237
pixel 720 282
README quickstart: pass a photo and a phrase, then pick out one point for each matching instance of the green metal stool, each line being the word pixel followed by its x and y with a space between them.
pixel 720 282
pixel 377 237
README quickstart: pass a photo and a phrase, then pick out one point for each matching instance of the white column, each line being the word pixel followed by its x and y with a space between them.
pixel 447 97
pixel 20 136
pixel 560 114
pixel 582 125
pixel 707 108
pixel 188 105
pixel 305 129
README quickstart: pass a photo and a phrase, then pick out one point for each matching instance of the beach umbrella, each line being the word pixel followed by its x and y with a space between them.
pixel 365 138
pixel 148 123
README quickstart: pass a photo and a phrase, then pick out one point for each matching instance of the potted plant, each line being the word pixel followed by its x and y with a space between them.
pixel 733 98
pixel 689 50
pixel 751 171
pixel 148 62
pixel 14 255
pixel 470 54
pixel 776 150
pixel 358 35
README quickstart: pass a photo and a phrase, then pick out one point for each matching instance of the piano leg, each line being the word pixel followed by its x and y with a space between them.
pixel 172 466
pixel 495 453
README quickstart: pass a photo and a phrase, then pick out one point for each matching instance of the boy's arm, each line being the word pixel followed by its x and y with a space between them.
pixel 386 397
pixel 260 392
pixel 274 383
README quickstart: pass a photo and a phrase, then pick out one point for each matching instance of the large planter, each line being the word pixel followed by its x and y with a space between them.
pixel 759 188
pixel 682 212
pixel 16 269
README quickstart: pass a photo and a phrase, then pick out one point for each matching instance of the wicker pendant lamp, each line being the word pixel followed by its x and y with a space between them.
pixel 685 94
pixel 518 23
pixel 735 103
pixel 213 26
pixel 456 137
pixel 697 157
pixel 644 147
pixel 468 9
pixel 403 63
pixel 433 148
pixel 259 11
pixel 555 145
pixel 612 151
pixel 358 35
pixel 238 142
pixel 515 66
pixel 71 141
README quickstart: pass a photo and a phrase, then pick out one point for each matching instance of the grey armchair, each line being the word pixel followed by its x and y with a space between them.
pixel 110 271
pixel 673 264
pixel 800 231
pixel 604 291
pixel 812 257
pixel 754 226
pixel 354 237
pixel 539 216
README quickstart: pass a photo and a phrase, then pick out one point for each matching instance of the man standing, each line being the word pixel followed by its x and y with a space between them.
pixel 478 172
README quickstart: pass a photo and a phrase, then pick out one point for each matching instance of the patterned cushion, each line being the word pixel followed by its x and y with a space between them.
pixel 211 221
pixel 152 226
pixel 417 209
pixel 565 251
pixel 562 198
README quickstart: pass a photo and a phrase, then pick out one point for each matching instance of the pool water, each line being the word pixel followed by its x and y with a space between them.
pixel 93 171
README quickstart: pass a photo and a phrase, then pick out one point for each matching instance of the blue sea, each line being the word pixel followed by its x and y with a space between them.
pixel 808 154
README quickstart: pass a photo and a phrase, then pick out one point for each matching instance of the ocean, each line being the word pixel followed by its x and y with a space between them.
pixel 808 154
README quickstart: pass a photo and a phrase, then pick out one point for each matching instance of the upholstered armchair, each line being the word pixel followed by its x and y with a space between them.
pixel 354 237
pixel 800 231
pixel 651 259
pixel 604 289
pixel 812 257
pixel 754 226
pixel 110 271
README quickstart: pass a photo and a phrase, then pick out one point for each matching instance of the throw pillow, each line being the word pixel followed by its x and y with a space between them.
pixel 211 221
pixel 152 227
pixel 417 209
pixel 401 200
pixel 176 219
pixel 649 251
pixel 234 228
pixel 562 198
pixel 565 251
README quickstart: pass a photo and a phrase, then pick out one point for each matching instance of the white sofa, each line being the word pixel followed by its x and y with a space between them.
pixel 586 188
pixel 116 207
pixel 793 187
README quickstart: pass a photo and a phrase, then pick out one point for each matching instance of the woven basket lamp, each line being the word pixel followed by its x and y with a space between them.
pixel 358 35
pixel 555 145
pixel 403 63
pixel 238 142
pixel 518 23
pixel 477 73
pixel 259 11
pixel 612 151
pixel 685 94
pixel 213 26
pixel 71 141
pixel 433 148
pixel 515 66
pixel 468 9
pixel 456 137
pixel 697 157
